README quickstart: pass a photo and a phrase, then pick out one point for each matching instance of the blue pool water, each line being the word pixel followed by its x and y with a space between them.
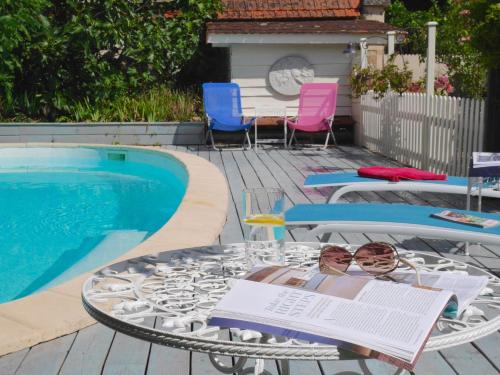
pixel 64 211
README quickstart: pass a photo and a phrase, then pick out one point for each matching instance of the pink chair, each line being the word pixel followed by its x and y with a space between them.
pixel 317 104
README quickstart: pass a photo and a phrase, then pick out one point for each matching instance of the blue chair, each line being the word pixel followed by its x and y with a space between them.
pixel 223 110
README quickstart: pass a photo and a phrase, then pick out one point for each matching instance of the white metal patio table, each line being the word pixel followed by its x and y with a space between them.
pixel 179 288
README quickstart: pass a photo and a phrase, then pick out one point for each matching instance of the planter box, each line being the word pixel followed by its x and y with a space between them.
pixel 157 133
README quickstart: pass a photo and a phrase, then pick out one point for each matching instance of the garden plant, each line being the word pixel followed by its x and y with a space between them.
pixel 75 60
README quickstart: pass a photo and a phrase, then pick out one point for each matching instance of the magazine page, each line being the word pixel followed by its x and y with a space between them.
pixel 485 159
pixel 484 164
pixel 380 319
pixel 465 287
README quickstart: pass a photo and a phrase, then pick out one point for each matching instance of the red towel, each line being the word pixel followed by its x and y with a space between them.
pixel 396 174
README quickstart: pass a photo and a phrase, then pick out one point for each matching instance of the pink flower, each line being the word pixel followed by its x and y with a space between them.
pixel 442 85
pixel 416 87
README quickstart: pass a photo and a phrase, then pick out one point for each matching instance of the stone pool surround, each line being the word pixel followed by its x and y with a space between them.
pixel 58 311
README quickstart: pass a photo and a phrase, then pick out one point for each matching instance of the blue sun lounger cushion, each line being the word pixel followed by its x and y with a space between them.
pixel 391 218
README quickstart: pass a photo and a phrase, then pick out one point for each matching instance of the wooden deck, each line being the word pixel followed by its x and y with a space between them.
pixel 99 350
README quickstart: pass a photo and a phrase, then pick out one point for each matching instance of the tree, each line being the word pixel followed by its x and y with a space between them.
pixel 468 37
pixel 69 51
pixel 20 23
pixel 466 65
pixel 485 17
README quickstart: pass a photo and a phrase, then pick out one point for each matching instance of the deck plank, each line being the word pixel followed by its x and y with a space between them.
pixel 433 363
pixel 163 359
pixel 304 367
pixel 127 355
pixel 232 231
pixel 46 358
pixel 89 351
pixel 466 359
pixel 360 367
pixel 247 172
pixel 9 363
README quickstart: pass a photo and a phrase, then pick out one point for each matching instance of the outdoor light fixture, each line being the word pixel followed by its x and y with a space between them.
pixel 350 49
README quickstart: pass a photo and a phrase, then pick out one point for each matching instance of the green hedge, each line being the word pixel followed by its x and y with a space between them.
pixel 86 59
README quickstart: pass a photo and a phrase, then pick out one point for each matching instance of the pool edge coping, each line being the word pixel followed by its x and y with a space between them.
pixel 59 311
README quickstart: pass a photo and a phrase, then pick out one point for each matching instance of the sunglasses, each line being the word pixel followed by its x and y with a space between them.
pixel 376 258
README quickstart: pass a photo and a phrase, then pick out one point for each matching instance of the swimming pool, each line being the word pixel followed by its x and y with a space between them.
pixel 68 210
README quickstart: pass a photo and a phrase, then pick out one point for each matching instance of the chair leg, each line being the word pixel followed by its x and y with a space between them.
pixel 292 136
pixel 330 132
pixel 333 137
pixel 247 139
pixel 326 141
pixel 213 142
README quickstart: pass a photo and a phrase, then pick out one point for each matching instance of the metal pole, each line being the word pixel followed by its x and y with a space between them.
pixel 364 49
pixel 431 56
pixel 430 64
pixel 391 41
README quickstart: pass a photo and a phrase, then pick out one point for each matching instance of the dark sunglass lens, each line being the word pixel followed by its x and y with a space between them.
pixel 377 257
pixel 334 257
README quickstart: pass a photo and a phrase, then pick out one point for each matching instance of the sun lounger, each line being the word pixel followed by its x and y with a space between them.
pixel 350 181
pixel 389 218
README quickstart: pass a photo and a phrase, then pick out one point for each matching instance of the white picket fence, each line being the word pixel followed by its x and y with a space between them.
pixel 438 133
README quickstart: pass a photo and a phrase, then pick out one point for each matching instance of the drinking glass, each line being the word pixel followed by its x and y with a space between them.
pixel 264 226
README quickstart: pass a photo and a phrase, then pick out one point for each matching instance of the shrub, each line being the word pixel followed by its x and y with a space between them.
pixel 380 81
pixel 391 78
pixel 160 103
pixel 87 53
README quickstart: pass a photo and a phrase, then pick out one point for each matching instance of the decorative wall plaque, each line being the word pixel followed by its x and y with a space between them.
pixel 289 73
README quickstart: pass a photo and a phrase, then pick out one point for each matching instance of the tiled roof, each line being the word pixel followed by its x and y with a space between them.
pixel 300 27
pixel 288 9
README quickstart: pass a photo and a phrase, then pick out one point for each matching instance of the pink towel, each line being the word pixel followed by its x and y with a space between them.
pixel 396 174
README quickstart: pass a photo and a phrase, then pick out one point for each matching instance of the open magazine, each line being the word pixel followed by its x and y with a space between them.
pixel 380 319
pixel 458 217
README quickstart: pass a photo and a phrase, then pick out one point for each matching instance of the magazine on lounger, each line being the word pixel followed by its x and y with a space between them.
pixel 458 217
pixel 379 319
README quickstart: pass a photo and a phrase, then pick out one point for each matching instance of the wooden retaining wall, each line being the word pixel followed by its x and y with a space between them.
pixel 159 133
